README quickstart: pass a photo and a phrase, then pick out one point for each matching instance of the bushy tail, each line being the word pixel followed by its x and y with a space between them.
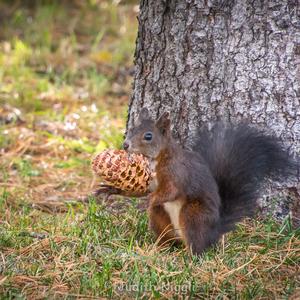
pixel 241 159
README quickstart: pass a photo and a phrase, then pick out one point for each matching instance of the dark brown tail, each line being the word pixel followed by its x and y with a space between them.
pixel 241 158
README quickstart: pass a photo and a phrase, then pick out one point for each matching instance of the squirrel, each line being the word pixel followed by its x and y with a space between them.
pixel 199 194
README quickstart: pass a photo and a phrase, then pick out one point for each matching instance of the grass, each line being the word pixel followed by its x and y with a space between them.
pixel 65 80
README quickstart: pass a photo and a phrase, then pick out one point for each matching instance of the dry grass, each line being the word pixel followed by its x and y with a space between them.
pixel 251 263
pixel 65 73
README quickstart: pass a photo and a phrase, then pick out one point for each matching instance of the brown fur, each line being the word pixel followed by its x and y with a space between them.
pixel 181 176
pixel 166 189
pixel 160 223
pixel 217 182
pixel 197 224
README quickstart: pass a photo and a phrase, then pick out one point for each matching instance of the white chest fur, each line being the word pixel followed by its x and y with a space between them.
pixel 153 183
pixel 173 208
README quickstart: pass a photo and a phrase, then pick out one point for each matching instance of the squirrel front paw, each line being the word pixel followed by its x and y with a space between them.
pixel 107 190
pixel 157 199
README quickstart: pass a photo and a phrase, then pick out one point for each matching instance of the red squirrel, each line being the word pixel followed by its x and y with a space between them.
pixel 199 194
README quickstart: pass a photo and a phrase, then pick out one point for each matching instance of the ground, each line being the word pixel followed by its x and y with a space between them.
pixel 65 81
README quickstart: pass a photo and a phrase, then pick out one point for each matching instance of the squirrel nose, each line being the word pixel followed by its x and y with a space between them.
pixel 125 145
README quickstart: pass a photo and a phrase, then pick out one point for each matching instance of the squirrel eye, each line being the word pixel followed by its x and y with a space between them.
pixel 148 136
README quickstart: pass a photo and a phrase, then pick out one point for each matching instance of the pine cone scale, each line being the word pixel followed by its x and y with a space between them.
pixel 128 172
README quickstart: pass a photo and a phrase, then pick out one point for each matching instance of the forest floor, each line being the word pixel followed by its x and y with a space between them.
pixel 65 81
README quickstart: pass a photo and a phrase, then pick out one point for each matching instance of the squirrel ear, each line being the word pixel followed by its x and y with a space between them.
pixel 144 114
pixel 163 123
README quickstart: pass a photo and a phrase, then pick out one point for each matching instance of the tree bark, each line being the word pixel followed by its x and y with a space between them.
pixel 231 60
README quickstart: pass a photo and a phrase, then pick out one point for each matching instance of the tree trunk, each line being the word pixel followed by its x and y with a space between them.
pixel 229 60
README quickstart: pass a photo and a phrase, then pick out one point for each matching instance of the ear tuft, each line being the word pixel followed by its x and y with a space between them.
pixel 163 123
pixel 144 114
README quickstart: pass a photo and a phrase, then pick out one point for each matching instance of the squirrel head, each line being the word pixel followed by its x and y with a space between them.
pixel 148 137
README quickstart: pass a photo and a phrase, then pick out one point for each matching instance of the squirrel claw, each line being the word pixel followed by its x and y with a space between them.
pixel 108 190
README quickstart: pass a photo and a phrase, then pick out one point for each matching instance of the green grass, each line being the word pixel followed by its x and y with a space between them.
pixel 64 88
pixel 94 250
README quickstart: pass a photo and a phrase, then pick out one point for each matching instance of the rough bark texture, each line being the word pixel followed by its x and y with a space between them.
pixel 230 60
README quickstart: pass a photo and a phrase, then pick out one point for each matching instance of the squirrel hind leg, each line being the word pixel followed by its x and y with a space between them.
pixel 160 224
pixel 200 228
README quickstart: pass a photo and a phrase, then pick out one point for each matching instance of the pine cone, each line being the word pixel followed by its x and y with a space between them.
pixel 128 172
